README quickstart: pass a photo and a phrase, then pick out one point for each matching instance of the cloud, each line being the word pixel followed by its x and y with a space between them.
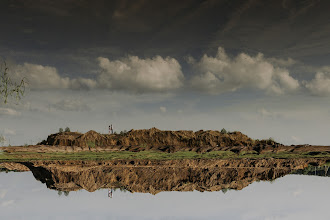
pixel 221 74
pixel 3 193
pixel 140 75
pixel 296 139
pixel 320 85
pixel 9 132
pixel 282 62
pixel 71 105
pixel 7 203
pixel 132 74
pixel 162 109
pixel 47 77
pixel 267 114
pixel 9 111
pixel 298 192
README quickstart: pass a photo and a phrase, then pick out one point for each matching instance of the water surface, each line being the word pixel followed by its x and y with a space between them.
pixel 289 197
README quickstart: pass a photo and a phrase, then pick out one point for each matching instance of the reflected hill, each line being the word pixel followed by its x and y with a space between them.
pixel 149 176
pixel 314 171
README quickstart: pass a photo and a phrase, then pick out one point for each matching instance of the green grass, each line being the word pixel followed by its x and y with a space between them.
pixel 152 155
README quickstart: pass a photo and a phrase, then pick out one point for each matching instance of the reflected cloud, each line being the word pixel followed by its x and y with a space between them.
pixel 7 203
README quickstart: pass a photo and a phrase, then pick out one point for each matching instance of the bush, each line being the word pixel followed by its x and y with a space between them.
pixel 60 130
pixel 91 144
pixel 8 87
pixel 67 129
pixel 223 131
pixel 2 139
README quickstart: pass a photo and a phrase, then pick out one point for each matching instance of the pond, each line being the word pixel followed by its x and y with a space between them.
pixel 293 196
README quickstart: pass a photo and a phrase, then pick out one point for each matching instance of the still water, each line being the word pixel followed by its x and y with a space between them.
pixel 290 197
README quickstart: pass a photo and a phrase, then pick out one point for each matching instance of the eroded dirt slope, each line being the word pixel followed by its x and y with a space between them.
pixel 164 141
pixel 155 176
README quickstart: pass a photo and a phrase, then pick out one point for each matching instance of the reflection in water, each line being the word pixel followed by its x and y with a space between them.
pixel 157 176
pixel 314 170
pixel 110 193
pixel 290 197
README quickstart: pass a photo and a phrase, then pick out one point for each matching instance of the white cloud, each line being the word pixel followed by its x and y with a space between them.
pixel 71 105
pixel 266 113
pixel 41 77
pixel 140 75
pixel 221 74
pixel 7 203
pixel 298 192
pixel 3 193
pixel 9 111
pixel 133 74
pixel 320 85
pixel 282 62
pixel 9 132
pixel 47 77
pixel 163 109
pixel 296 139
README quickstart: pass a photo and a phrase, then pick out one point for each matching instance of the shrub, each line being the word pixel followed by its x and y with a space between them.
pixel 8 87
pixel 223 131
pixel 60 130
pixel 270 141
pixel 67 129
pixel 2 139
pixel 91 144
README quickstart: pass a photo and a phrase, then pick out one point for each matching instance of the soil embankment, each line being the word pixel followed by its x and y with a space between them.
pixel 164 141
pixel 154 176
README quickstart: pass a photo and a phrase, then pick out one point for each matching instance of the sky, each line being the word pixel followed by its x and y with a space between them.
pixel 255 66
pixel 293 197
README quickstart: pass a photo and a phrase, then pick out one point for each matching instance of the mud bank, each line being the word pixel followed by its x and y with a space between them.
pixel 149 176
pixel 163 141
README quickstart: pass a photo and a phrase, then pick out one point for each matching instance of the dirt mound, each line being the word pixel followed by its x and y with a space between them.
pixel 158 140
pixel 61 138
pixel 90 139
pixel 167 175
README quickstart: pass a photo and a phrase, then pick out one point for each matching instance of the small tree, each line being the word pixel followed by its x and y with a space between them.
pixel 67 129
pixel 223 131
pixel 60 130
pixel 9 88
pixel 2 139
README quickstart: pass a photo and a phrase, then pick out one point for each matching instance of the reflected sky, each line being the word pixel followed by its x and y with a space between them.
pixel 289 197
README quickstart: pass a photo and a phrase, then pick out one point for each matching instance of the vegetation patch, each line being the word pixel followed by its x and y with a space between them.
pixel 152 155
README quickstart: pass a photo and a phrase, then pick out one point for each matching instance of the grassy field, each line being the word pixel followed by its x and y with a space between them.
pixel 87 155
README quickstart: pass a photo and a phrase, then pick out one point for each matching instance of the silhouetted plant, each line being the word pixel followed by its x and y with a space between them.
pixel 67 129
pixel 224 191
pixel 2 139
pixel 60 130
pixel 9 88
pixel 223 131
